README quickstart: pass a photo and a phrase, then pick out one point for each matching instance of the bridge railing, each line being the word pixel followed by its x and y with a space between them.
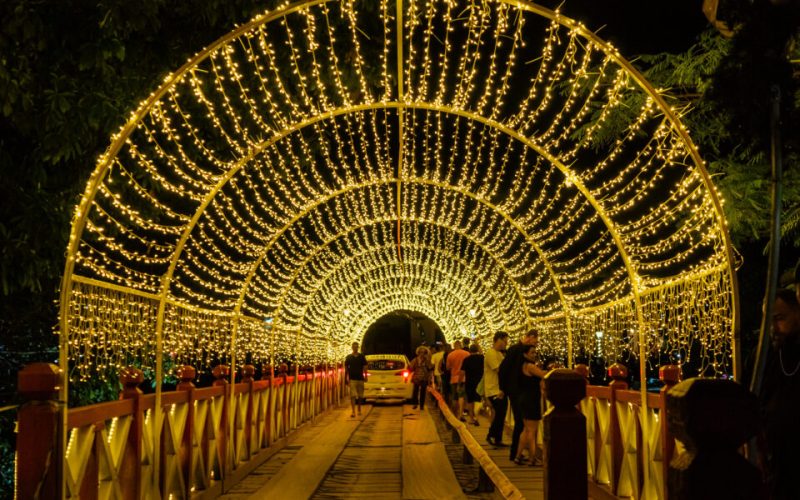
pixel 489 474
pixel 617 428
pixel 208 438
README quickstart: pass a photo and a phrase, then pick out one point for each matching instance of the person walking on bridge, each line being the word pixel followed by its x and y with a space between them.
pixel 457 378
pixel 421 370
pixel 355 368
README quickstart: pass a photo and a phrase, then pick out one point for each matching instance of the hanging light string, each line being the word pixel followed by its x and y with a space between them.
pixel 541 184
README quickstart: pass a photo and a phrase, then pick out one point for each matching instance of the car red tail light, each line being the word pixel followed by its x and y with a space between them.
pixel 404 373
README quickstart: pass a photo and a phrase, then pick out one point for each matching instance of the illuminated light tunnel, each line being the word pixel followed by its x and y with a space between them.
pixel 490 165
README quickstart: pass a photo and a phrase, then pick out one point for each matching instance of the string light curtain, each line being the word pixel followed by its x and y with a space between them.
pixel 491 164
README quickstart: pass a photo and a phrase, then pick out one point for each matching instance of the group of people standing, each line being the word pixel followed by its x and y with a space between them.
pixel 503 376
pixel 512 377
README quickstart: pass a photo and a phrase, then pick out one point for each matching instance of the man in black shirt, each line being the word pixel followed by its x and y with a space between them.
pixel 355 367
pixel 780 398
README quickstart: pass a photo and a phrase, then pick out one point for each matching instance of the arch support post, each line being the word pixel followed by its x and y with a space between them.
pixel 39 468
pixel 565 473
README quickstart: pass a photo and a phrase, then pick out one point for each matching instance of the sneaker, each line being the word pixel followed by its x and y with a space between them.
pixel 414 407
pixel 352 415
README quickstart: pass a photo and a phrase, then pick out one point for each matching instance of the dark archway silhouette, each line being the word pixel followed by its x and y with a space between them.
pixel 400 332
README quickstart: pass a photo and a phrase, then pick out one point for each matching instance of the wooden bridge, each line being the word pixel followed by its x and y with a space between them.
pixel 291 435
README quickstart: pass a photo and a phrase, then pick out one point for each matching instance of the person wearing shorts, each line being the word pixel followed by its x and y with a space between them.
pixel 457 378
pixel 355 366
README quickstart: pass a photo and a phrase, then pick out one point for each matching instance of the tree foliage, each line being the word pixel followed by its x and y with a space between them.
pixel 723 85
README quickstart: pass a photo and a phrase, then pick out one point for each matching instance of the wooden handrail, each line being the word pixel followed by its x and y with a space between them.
pixel 204 454
pixel 504 486
pixel 616 446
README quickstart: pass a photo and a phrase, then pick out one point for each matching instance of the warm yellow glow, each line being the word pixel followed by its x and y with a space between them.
pixel 526 173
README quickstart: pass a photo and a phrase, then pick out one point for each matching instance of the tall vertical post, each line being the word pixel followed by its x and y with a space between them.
pixel 670 375
pixel 776 182
pixel 248 371
pixel 220 373
pixel 39 451
pixel 619 374
pixel 131 470
pixel 186 374
pixel 565 476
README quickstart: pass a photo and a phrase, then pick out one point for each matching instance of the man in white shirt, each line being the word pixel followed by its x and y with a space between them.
pixel 491 385
pixel 436 359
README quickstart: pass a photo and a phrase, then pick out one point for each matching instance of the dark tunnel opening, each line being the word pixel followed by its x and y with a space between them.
pixel 401 332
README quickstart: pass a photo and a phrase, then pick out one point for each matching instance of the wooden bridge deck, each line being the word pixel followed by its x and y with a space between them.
pixel 389 452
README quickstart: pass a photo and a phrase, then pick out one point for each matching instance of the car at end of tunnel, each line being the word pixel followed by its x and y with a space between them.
pixel 388 378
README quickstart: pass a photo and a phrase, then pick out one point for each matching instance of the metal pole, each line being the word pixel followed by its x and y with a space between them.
pixel 775 238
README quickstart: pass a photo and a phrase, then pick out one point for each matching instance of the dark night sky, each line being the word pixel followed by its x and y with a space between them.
pixel 639 26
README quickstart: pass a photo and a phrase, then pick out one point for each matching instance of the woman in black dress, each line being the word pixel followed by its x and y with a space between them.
pixel 530 400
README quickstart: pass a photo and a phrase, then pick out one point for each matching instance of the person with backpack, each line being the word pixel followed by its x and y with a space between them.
pixel 510 378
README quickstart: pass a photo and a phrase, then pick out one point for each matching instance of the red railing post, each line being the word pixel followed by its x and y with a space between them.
pixel 314 392
pixel 284 371
pixel 39 453
pixel 669 375
pixel 248 372
pixel 619 374
pixel 565 437
pixel 266 374
pixel 130 473
pixel 186 374
pixel 221 374
pixel 595 446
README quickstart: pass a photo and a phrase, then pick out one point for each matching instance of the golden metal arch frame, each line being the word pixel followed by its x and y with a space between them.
pixel 96 178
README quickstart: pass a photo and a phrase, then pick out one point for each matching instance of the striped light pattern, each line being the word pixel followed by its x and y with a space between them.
pixel 332 161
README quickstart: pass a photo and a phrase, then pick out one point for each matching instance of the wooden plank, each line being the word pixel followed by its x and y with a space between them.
pixel 311 463
pixel 426 468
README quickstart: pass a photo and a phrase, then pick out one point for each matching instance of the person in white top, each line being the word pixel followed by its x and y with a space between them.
pixel 436 359
pixel 491 386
